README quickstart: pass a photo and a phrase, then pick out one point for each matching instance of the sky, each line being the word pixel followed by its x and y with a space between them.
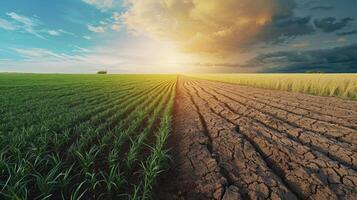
pixel 170 36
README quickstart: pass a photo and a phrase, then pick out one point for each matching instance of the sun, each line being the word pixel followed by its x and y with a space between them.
pixel 164 57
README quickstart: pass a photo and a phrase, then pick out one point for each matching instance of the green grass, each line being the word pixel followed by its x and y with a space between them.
pixel 83 136
pixel 335 85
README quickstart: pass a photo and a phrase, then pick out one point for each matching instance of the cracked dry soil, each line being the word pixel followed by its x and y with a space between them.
pixel 237 142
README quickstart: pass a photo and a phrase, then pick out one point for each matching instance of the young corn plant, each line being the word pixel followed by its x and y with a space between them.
pixel 105 141
pixel 136 145
pixel 113 158
pixel 15 195
pixel 16 185
pixel 136 194
pixel 93 182
pixel 65 177
pixel 37 161
pixel 46 183
pixel 59 140
pixel 152 168
pixel 77 194
pixel 113 180
pixel 86 159
pixel 5 174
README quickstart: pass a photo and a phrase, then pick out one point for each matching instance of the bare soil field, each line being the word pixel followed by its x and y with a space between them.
pixel 238 142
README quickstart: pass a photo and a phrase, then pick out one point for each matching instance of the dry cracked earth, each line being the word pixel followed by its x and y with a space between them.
pixel 237 142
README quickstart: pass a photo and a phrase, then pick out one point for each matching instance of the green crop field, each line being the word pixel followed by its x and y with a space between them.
pixel 337 85
pixel 83 136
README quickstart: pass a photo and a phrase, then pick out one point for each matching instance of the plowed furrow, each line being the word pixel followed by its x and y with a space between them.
pixel 223 171
pixel 343 134
pixel 237 156
pixel 305 111
pixel 193 172
pixel 309 173
pixel 331 148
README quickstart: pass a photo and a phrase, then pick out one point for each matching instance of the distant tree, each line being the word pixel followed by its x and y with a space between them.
pixel 102 72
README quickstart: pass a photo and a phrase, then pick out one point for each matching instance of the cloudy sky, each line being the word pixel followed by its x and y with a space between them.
pixel 153 36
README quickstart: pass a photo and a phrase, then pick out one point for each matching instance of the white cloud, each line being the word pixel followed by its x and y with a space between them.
pixel 23 23
pixel 81 49
pixel 29 25
pixel 59 32
pixel 102 5
pixel 116 21
pixel 116 16
pixel 96 29
pixel 115 27
pixel 87 37
pixel 31 53
pixel 35 33
pixel 54 32
pixel 112 23
pixel 4 24
pixel 65 32
pixel 23 19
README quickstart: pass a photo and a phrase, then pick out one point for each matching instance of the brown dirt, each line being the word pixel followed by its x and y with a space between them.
pixel 236 142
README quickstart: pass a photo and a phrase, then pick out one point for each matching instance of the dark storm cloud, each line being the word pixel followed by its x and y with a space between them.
pixel 287 27
pixel 331 24
pixel 339 59
pixel 347 33
pixel 322 8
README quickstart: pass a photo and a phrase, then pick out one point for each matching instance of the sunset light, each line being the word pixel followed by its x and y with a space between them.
pixel 178 100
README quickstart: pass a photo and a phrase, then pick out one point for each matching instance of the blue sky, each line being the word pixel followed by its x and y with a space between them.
pixel 32 30
pixel 151 36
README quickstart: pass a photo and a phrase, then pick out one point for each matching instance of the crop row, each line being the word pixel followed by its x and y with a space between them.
pixel 95 137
